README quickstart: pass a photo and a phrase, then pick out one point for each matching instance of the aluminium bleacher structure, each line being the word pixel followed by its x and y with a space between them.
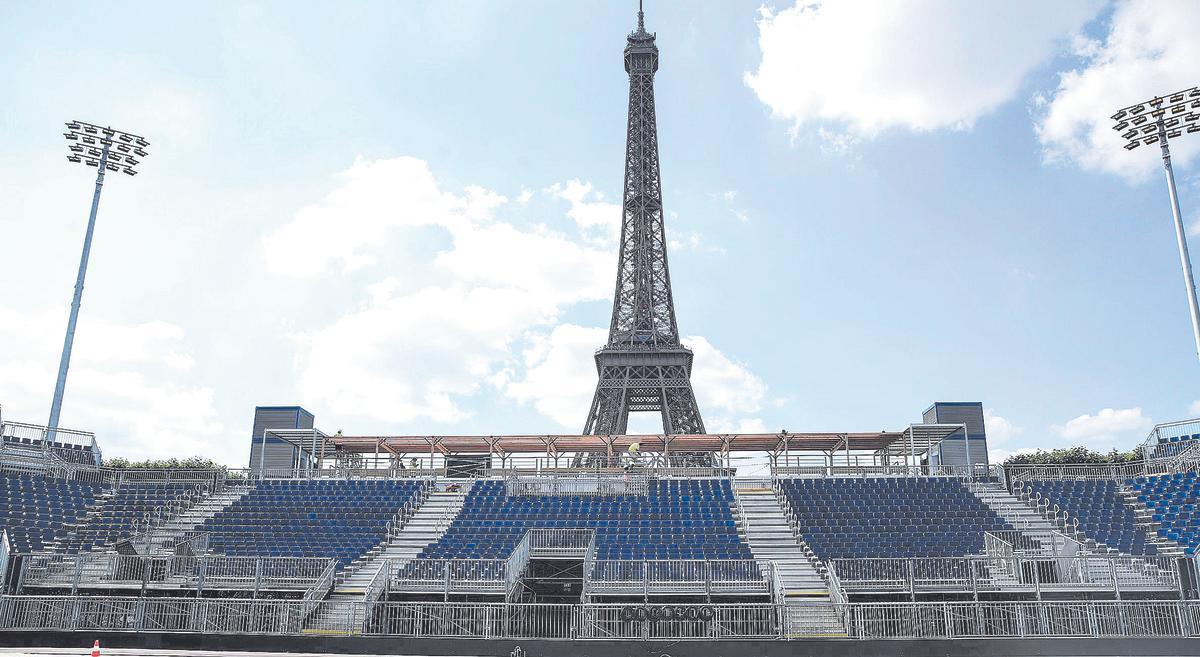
pixel 1098 510
pixel 235 581
pixel 1174 501
pixel 890 517
pixel 36 509
pixel 125 510
pixel 675 519
pixel 341 519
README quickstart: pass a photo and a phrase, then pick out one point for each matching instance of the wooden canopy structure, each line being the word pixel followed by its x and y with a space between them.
pixel 553 445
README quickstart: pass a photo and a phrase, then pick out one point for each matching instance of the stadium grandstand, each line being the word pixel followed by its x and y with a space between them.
pixel 846 539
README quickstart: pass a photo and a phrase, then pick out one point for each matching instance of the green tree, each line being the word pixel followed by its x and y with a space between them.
pixel 1074 456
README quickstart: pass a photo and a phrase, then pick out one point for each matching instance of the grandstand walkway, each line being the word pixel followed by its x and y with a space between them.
pixel 163 538
pixel 425 526
pixel 1020 515
pixel 770 537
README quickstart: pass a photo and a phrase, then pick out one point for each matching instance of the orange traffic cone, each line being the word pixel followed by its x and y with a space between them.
pixel 96 648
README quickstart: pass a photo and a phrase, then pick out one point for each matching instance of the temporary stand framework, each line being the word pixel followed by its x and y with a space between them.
pixel 909 447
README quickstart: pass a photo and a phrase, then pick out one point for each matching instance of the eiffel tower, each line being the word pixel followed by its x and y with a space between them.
pixel 643 367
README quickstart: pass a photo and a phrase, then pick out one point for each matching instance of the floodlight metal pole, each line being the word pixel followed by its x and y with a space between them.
pixel 1158 120
pixel 1181 236
pixel 64 363
pixel 104 159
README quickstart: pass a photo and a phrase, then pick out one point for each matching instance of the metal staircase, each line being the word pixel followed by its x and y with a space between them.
pixel 771 539
pixel 1020 515
pixel 425 526
pixel 162 539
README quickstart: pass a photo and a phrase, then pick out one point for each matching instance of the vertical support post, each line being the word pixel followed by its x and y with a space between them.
pixel 1180 236
pixel 64 362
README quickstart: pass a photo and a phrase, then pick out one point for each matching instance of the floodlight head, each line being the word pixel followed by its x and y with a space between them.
pixel 1159 119
pixel 100 141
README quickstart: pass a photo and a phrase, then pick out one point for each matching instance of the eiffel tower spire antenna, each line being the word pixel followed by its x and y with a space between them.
pixel 643 367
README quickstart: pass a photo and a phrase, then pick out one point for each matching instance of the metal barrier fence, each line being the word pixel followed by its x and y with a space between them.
pixel 451 576
pixel 966 473
pixel 681 577
pixel 1009 572
pixel 918 620
pixel 109 571
pixel 577 484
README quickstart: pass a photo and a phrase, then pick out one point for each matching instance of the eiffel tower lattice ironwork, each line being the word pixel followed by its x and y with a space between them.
pixel 643 367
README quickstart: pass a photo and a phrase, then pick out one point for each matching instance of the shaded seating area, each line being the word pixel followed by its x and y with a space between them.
pixel 889 517
pixel 1102 514
pixel 676 519
pixel 34 508
pixel 1173 500
pixel 340 519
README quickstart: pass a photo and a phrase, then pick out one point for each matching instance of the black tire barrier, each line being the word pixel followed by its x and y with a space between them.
pixel 657 613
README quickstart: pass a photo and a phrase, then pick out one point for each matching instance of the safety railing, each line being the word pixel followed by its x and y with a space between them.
pixel 1006 571
pixel 314 594
pixel 451 576
pixel 115 571
pixel 475 620
pixel 713 577
pixel 558 542
pixel 5 550
pixel 963 472
pixel 1019 474
pixel 583 484
pixel 516 562
pixel 407 511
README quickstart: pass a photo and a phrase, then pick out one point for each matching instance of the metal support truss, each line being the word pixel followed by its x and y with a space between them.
pixel 643 367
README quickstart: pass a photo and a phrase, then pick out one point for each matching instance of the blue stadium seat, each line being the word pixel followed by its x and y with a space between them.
pixel 1101 513
pixel 340 519
pixel 677 519
pixel 34 508
pixel 123 513
pixel 1173 499
pixel 889 517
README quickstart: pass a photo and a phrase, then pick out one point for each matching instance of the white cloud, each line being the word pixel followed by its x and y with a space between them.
pixel 559 380
pixel 525 195
pixel 416 350
pixel 374 198
pixel 598 218
pixel 1105 426
pixel 1194 408
pixel 999 429
pixel 129 384
pixel 920 65
pixel 1150 50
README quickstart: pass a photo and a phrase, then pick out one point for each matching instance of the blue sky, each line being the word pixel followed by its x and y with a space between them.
pixel 402 215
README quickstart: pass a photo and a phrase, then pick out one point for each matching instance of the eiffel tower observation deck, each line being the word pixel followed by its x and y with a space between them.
pixel 643 367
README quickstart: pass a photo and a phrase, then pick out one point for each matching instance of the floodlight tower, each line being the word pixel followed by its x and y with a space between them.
pixel 107 150
pixel 1156 121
